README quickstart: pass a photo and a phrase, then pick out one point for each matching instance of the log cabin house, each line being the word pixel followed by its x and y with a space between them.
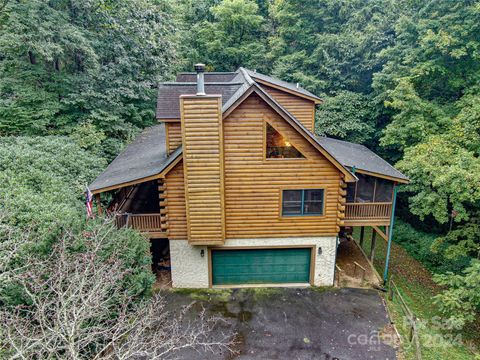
pixel 235 188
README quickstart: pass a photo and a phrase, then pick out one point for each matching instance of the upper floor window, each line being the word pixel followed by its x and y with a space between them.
pixel 302 202
pixel 278 147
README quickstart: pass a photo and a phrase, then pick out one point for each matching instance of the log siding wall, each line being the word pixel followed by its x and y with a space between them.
pixel 253 184
pixel 303 109
pixel 202 140
pixel 176 211
pixel 174 135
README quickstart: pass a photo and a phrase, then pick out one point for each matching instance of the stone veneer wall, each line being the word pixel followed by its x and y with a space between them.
pixel 190 270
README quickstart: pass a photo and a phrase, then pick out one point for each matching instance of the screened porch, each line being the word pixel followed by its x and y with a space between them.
pixel 369 201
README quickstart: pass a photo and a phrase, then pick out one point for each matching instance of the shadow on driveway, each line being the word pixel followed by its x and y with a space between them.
pixel 285 323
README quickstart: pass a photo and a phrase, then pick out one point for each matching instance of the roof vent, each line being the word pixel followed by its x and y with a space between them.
pixel 200 69
pixel 298 85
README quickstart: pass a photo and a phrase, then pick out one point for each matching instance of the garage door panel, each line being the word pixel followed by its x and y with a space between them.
pixel 261 266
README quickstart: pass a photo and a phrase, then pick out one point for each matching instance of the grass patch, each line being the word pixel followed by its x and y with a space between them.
pixel 220 295
pixel 415 284
pixel 322 289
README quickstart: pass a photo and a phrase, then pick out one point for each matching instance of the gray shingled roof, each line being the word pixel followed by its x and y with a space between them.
pixel 281 83
pixel 168 102
pixel 227 84
pixel 359 156
pixel 145 156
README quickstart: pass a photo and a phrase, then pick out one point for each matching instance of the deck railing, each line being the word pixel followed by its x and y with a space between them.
pixel 141 222
pixel 368 211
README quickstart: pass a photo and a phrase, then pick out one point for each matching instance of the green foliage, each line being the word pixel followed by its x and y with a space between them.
pixel 415 120
pixel 461 301
pixel 43 181
pixel 329 45
pixel 88 137
pixel 232 36
pixel 430 87
pixel 444 176
pixel 462 242
pixel 64 63
pixel 424 247
pixel 347 115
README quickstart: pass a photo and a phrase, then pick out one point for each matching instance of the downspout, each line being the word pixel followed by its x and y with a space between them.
pixel 390 234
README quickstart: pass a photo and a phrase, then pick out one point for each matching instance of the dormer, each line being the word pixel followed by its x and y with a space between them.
pixel 296 100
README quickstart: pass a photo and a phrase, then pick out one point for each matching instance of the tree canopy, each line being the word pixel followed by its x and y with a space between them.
pixel 78 80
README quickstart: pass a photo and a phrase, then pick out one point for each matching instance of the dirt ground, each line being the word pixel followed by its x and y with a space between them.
pixel 287 323
pixel 351 275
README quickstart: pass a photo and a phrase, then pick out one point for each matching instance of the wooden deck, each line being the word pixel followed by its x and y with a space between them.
pixel 367 214
pixel 152 224
pixel 356 214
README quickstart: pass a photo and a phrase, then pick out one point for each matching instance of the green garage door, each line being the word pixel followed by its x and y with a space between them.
pixel 260 266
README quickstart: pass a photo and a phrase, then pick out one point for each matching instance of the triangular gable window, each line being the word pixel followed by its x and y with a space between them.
pixel 278 147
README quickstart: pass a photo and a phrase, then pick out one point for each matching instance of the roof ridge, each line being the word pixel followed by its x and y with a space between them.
pixel 246 75
pixel 207 72
pixel 275 81
pixel 190 83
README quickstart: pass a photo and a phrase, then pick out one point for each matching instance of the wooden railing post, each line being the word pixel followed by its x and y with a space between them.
pixel 368 211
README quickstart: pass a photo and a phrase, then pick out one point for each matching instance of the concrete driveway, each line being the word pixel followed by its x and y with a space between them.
pixel 286 323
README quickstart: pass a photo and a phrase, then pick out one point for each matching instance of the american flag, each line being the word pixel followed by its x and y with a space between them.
pixel 89 202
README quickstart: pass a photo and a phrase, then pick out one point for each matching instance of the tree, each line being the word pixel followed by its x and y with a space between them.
pixel 430 85
pixel 77 307
pixel 460 302
pixel 233 35
pixel 43 181
pixel 67 63
pixel 348 116
pixel 330 46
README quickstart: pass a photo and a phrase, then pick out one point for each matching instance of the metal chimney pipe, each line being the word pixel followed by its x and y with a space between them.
pixel 200 69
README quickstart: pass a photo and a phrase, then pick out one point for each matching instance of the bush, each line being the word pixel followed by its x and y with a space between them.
pixel 84 301
pixel 43 182
pixel 419 245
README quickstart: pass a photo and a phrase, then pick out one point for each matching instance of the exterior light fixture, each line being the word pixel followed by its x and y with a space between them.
pixel 287 144
pixel 202 253
pixel 319 251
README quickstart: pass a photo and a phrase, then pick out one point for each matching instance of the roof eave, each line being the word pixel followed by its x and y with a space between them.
pixel 172 160
pixel 383 176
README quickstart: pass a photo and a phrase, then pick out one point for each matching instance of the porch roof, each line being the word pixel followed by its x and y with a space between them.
pixel 362 158
pixel 142 160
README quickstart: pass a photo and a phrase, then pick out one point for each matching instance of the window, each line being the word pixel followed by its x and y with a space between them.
pixel 278 147
pixel 369 189
pixel 383 191
pixel 365 188
pixel 302 202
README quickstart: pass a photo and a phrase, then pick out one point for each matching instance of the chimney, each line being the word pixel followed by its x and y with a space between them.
pixel 200 69
pixel 202 139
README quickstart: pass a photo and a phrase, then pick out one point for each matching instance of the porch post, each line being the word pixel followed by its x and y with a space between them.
pixel 362 235
pixel 99 204
pixel 390 233
pixel 372 248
